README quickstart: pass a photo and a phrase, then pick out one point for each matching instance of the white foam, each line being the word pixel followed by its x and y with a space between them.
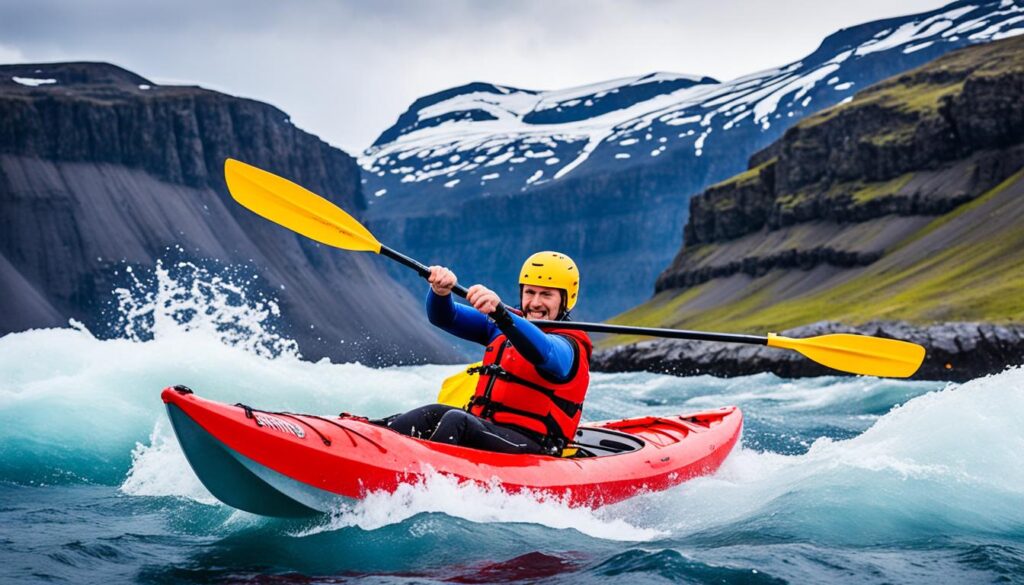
pixel 949 458
pixel 160 469
pixel 481 504
pixel 159 304
pixel 200 332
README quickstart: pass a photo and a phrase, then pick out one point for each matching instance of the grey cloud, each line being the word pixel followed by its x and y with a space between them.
pixel 346 70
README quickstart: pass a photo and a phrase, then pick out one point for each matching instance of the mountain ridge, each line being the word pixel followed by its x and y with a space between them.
pixel 640 165
pixel 922 143
pixel 903 204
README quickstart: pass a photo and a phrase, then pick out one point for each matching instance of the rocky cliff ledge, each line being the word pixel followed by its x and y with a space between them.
pixel 902 205
pixel 956 352
pixel 100 167
pixel 919 144
pixel 100 113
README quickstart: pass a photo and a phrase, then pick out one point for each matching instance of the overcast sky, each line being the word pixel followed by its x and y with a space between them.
pixel 345 70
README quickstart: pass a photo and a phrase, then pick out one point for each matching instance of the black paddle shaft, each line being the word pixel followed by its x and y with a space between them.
pixel 657 332
pixel 460 290
pixel 419 267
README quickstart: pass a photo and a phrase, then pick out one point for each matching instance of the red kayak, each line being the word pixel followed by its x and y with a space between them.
pixel 287 464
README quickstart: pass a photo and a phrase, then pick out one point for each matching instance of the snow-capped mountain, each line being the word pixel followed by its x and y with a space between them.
pixel 657 138
pixel 481 130
pixel 481 133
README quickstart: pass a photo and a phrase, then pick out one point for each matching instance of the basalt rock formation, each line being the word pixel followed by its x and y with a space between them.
pixel 955 351
pixel 904 204
pixel 101 168
pixel 919 144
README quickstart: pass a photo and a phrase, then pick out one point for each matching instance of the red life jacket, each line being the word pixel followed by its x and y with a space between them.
pixel 511 390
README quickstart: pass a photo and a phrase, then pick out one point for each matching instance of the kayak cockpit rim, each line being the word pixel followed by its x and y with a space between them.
pixel 588 442
pixel 601 442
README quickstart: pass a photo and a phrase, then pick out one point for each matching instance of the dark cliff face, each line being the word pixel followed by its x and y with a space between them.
pixel 103 114
pixel 919 144
pixel 904 205
pixel 99 167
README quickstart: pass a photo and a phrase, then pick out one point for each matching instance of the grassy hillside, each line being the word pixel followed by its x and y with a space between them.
pixel 900 259
pixel 965 265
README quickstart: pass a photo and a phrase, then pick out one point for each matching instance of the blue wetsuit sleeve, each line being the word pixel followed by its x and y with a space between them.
pixel 459 320
pixel 552 353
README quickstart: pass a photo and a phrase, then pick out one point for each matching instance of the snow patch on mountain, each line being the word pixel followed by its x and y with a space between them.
pixel 914 31
pixel 541 136
pixel 32 81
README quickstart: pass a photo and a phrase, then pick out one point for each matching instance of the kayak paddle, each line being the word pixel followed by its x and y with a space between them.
pixel 300 210
pixel 458 389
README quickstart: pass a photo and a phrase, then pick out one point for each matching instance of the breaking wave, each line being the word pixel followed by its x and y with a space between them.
pixel 849 461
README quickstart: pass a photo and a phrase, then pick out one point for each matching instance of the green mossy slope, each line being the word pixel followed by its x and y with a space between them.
pixel 967 265
pixel 906 203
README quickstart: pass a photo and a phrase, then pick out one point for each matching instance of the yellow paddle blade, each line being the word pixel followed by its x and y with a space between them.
pixel 857 354
pixel 458 389
pixel 296 208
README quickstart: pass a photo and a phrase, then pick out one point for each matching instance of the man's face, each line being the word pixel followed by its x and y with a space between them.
pixel 541 302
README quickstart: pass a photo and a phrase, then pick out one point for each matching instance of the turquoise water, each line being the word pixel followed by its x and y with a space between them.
pixel 837 479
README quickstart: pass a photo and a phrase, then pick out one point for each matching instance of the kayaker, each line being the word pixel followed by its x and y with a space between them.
pixel 532 381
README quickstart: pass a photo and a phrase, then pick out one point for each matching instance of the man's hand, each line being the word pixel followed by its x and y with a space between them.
pixel 441 280
pixel 483 299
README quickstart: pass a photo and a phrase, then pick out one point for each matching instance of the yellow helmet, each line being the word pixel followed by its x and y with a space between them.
pixel 555 270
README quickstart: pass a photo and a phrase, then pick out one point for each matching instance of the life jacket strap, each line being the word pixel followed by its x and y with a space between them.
pixel 569 407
